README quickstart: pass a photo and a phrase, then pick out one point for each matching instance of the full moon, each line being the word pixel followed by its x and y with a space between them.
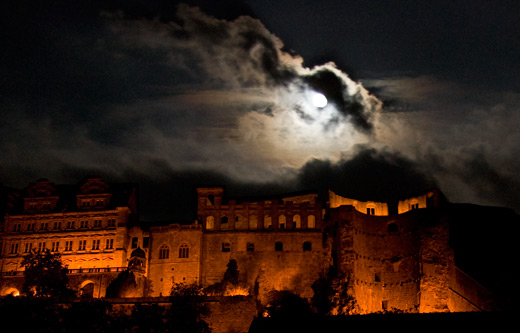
pixel 319 100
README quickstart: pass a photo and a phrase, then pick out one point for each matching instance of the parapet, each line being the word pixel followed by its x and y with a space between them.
pixel 366 207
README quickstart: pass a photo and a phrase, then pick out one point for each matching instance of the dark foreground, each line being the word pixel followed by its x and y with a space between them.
pixel 465 322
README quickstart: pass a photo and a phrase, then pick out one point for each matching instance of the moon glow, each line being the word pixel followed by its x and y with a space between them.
pixel 319 100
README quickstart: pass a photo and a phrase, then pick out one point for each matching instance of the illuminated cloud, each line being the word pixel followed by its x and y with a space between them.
pixel 191 99
pixel 259 95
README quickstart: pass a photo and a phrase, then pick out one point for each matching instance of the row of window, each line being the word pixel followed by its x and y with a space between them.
pixel 68 246
pixel 58 225
pixel 135 242
pixel 184 250
pixel 268 222
pixel 278 246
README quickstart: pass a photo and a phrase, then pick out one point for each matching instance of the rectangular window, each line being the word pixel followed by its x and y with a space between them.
pixel 68 246
pixel 14 248
pixel 307 246
pixel 371 211
pixel 84 224
pixel 97 223
pixel 146 241
pixel 57 225
pixel 41 246
pixel 135 241
pixel 95 244
pixel 226 247
pixel 111 223
pixel 17 227
pixel 109 244
pixel 278 246
pixel 28 247
pixel 70 224
pixel 30 227
pixel 55 246
pixel 44 226
pixel 250 247
pixel 82 245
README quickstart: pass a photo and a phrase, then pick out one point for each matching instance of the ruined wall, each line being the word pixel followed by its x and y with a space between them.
pixel 396 263
pixel 365 207
pixel 386 270
pixel 436 261
pixel 262 265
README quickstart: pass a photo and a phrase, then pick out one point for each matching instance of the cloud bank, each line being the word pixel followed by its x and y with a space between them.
pixel 196 100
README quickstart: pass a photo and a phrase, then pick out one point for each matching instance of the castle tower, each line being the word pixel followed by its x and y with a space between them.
pixel 209 201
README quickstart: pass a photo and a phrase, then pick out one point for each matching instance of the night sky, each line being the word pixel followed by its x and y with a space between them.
pixel 175 95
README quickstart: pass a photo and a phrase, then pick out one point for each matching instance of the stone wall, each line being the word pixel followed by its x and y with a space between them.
pixel 164 270
pixel 262 266
pixel 231 314
pixel 386 270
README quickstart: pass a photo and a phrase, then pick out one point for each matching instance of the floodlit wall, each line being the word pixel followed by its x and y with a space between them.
pixel 365 207
pixel 174 257
pixel 266 261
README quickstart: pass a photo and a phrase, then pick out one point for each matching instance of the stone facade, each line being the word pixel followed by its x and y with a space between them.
pixel 391 262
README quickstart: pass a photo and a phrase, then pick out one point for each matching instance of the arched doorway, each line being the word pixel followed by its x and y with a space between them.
pixel 87 289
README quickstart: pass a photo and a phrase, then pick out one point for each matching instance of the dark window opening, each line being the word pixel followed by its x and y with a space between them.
pixel 250 247
pixel 307 246
pixel 371 211
pixel 164 252
pixel 377 277
pixel 226 247
pixel 134 242
pixel 146 241
pixel 392 227
pixel 184 251
pixel 278 246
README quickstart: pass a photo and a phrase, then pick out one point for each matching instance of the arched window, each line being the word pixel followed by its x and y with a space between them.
pixel 238 222
pixel 224 223
pixel 282 221
pixel 164 252
pixel 267 222
pixel 297 221
pixel 311 222
pixel 210 223
pixel 184 251
pixel 253 222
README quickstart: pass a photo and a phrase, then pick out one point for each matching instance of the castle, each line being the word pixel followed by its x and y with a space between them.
pixel 402 261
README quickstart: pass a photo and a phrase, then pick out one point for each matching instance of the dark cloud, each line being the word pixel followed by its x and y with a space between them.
pixel 335 89
pixel 369 175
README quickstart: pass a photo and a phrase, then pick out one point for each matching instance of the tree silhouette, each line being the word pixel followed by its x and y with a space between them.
pixel 45 276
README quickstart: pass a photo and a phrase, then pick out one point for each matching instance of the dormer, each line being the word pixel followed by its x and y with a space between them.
pixel 93 194
pixel 41 197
